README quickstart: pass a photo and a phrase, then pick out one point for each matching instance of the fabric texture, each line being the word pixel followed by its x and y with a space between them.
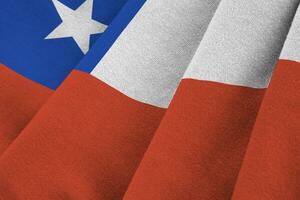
pixel 164 100
pixel 23 94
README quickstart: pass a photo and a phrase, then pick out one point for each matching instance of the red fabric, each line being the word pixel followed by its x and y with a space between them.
pixel 20 99
pixel 197 151
pixel 85 143
pixel 271 169
pixel 88 140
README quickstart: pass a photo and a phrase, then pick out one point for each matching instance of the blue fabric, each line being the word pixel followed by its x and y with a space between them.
pixel 23 28
pixel 103 44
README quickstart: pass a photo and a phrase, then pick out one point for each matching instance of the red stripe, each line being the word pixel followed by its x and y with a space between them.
pixel 197 151
pixel 271 169
pixel 85 143
pixel 20 99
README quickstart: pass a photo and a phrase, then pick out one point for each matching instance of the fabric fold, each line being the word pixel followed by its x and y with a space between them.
pixel 270 168
pixel 88 139
pixel 197 151
pixel 34 65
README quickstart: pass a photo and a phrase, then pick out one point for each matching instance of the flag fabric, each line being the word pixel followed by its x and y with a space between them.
pixel 198 149
pixel 271 165
pixel 87 140
pixel 41 42
pixel 20 99
pixel 175 100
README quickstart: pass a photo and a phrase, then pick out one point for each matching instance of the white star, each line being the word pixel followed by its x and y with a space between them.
pixel 77 24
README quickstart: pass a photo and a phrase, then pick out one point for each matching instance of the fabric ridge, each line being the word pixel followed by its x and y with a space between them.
pixel 150 100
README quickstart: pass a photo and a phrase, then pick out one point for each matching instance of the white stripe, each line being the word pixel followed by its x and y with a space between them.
pixel 243 42
pixel 291 48
pixel 149 58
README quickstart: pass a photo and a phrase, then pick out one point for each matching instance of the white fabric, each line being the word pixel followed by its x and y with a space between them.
pixel 291 48
pixel 149 58
pixel 243 42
